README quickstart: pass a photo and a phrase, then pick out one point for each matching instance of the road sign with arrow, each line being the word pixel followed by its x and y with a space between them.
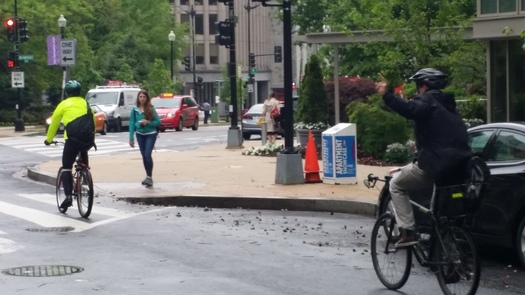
pixel 68 52
pixel 17 79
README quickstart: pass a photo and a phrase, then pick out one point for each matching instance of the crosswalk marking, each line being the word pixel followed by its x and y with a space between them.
pixel 54 219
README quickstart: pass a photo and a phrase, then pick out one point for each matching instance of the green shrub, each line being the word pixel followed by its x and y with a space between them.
pixel 398 153
pixel 377 127
pixel 312 106
pixel 472 107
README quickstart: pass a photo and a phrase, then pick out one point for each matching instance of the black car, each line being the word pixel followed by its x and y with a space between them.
pixel 500 219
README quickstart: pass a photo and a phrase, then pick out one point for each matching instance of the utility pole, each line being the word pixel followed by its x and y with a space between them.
pixel 19 122
pixel 251 95
pixel 192 14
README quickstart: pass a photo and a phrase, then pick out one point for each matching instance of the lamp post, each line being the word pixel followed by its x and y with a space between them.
pixel 192 13
pixel 19 122
pixel 62 22
pixel 171 37
pixel 251 95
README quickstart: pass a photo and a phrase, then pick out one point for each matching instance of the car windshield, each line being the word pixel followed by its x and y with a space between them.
pixel 256 109
pixel 96 109
pixel 170 103
pixel 102 98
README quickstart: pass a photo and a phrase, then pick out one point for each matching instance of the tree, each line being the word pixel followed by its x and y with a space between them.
pixel 125 73
pixel 159 80
pixel 350 89
pixel 313 105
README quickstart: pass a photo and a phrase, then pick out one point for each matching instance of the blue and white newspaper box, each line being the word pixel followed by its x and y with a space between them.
pixel 340 154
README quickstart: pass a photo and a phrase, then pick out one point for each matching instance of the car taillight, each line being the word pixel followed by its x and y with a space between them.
pixel 247 117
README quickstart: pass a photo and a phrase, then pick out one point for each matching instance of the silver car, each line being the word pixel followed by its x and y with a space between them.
pixel 249 121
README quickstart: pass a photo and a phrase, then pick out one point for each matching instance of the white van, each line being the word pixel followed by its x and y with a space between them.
pixel 116 102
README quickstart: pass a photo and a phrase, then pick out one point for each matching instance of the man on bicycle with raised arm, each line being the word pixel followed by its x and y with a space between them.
pixel 441 141
pixel 79 121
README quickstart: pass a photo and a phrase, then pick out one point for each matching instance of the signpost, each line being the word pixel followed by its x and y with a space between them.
pixel 26 57
pixel 17 79
pixel 68 52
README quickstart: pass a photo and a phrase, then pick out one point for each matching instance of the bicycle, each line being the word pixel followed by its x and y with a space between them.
pixel 447 249
pixel 82 187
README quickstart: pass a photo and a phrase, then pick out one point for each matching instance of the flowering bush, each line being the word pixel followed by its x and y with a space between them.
pixel 472 122
pixel 268 150
pixel 311 126
pixel 398 153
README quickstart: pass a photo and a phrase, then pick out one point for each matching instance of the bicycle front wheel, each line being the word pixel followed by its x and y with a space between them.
pixel 391 265
pixel 85 193
pixel 462 274
pixel 61 196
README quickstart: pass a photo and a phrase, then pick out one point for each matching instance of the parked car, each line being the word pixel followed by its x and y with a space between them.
pixel 500 217
pixel 249 121
pixel 176 111
pixel 101 123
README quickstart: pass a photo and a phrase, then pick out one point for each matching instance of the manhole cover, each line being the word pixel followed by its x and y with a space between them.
pixel 42 270
pixel 52 229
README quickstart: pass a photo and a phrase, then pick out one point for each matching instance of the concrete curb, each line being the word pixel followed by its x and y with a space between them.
pixel 214 201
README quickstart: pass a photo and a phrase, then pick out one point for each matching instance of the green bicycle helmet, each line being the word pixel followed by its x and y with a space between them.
pixel 72 88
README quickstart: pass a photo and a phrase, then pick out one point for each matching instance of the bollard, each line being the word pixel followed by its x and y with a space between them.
pixel 263 133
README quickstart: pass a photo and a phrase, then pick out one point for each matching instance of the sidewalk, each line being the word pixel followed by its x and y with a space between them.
pixel 214 176
pixel 9 131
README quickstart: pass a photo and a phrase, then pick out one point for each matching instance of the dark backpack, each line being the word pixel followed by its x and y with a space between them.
pixel 81 131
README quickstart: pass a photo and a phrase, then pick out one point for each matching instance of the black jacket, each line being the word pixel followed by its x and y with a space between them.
pixel 441 135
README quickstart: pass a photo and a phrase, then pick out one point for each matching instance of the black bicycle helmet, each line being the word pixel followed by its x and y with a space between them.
pixel 72 88
pixel 433 78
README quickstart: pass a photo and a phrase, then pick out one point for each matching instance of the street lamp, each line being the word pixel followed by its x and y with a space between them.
pixel 192 13
pixel 171 37
pixel 62 25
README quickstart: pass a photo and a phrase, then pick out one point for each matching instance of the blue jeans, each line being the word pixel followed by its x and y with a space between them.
pixel 146 145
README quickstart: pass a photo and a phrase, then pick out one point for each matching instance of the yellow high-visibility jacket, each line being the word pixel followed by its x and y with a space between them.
pixel 67 111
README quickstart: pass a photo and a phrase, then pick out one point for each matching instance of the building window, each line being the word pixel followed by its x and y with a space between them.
pixel 185 19
pixel 522 5
pixel 213 20
pixel 184 2
pixel 199 24
pixel 516 81
pixel 199 56
pixel 498 68
pixel 498 6
pixel 212 2
pixel 198 2
pixel 214 54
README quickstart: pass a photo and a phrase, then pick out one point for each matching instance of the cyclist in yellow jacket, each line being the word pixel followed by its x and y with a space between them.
pixel 79 121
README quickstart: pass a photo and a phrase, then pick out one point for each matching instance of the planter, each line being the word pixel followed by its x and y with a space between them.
pixel 302 135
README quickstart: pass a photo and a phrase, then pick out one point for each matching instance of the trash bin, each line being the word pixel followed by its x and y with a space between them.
pixel 339 153
pixel 214 115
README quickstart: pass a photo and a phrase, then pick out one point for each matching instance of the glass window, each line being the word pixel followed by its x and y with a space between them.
pixel 213 20
pixel 478 140
pixel 199 24
pixel 214 54
pixel 199 56
pixel 198 2
pixel 522 5
pixel 184 2
pixel 507 6
pixel 509 146
pixel 516 81
pixel 489 6
pixel 498 67
pixel 163 103
pixel 185 19
pixel 212 2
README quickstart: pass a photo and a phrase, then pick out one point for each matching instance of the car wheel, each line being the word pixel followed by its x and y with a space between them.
pixel 246 136
pixel 118 128
pixel 179 126
pixel 195 124
pixel 162 130
pixel 520 241
pixel 104 129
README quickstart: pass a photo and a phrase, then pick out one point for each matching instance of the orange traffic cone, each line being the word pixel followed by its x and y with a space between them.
pixel 311 166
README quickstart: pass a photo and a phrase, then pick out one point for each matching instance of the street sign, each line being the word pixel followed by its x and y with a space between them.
pixel 239 71
pixel 68 52
pixel 253 70
pixel 17 79
pixel 26 57
pixel 249 87
pixel 53 50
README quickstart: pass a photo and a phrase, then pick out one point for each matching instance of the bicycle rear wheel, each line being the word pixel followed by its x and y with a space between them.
pixel 61 196
pixel 391 265
pixel 85 193
pixel 461 276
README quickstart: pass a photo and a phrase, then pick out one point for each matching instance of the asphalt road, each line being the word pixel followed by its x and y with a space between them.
pixel 135 249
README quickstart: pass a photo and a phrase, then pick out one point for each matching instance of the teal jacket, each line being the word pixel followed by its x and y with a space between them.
pixel 134 126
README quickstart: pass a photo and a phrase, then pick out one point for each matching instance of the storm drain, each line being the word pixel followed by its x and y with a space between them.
pixel 52 229
pixel 43 271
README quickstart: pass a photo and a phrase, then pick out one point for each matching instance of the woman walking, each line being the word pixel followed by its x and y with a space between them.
pixel 271 123
pixel 143 121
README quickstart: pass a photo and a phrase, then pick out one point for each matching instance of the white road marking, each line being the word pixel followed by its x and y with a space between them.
pixel 8 246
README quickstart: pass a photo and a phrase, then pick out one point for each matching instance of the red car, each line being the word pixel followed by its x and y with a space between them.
pixel 176 111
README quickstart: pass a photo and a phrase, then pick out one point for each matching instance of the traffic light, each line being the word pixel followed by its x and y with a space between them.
pixel 22 30
pixel 252 61
pixel 199 81
pixel 186 64
pixel 226 2
pixel 11 59
pixel 223 37
pixel 10 25
pixel 278 54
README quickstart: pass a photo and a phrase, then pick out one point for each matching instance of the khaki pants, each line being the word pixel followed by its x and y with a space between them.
pixel 409 178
